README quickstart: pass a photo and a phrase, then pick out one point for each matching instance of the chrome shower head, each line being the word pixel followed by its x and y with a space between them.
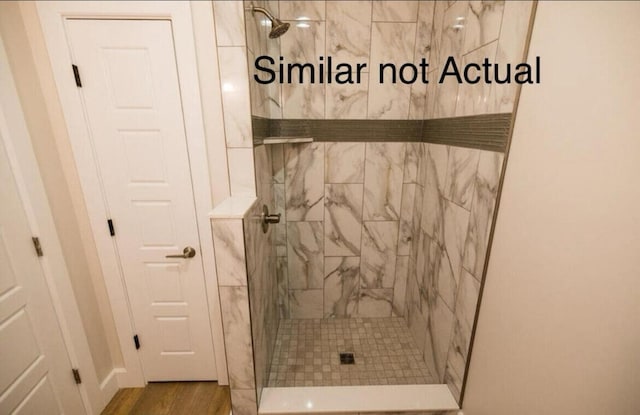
pixel 278 27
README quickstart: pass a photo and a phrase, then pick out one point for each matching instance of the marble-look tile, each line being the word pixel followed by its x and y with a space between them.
pixel 304 43
pixel 418 101
pixel 456 221
pixel 348 101
pixel 378 261
pixel 306 303
pixel 483 23
pixel 511 46
pixel 383 180
pixel 400 285
pixel 256 26
pixel 235 96
pixel 413 155
pixel 486 190
pixel 416 222
pixel 414 316
pixel 341 286
pixel 453 381
pixel 228 240
pixel 461 173
pixel 305 255
pixel 277 157
pixel 304 185
pixel 424 31
pixel 473 99
pixel 342 219
pixel 243 402
pixel 229 16
pixel 390 43
pixel 302 10
pixel 439 9
pixel 446 97
pixel 438 278
pixel 263 168
pixel 280 229
pixel 241 176
pixel 433 202
pixel 431 94
pixel 344 162
pixel 388 101
pixel 303 101
pixel 283 287
pixel 405 237
pixel 453 31
pixel 465 313
pixel 279 201
pixel 349 31
pixel 375 302
pixel 234 303
pixel 437 338
pixel 395 11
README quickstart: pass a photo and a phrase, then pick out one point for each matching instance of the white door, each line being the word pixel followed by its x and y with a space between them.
pixel 131 96
pixel 35 371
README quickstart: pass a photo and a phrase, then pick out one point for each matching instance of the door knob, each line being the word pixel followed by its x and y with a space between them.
pixel 187 252
pixel 267 218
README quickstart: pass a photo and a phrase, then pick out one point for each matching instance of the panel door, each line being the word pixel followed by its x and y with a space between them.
pixel 35 371
pixel 131 95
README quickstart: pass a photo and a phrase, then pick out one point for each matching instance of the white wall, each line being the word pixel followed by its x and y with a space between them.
pixel 559 327
pixel 20 31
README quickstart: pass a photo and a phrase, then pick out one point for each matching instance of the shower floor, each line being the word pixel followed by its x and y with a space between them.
pixel 307 353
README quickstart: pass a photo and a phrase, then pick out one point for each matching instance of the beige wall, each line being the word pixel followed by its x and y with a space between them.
pixel 559 328
pixel 20 30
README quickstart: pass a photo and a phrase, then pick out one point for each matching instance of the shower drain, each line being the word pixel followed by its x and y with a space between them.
pixel 347 359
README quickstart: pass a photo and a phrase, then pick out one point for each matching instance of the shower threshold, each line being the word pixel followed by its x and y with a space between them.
pixel 353 399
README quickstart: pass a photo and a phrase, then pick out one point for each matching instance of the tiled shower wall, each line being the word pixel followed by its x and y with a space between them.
pixel 352 32
pixel 345 239
pixel 453 206
pixel 457 187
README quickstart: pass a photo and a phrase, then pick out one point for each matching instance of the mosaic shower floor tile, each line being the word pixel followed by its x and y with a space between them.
pixel 308 352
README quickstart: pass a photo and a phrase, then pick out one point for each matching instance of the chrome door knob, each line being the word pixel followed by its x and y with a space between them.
pixel 187 252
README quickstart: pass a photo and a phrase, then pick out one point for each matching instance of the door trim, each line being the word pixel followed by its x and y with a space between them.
pixel 31 189
pixel 52 17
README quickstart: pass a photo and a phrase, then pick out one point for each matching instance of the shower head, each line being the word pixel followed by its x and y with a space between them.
pixel 278 27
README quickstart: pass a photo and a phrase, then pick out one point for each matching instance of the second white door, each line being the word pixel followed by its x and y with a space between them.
pixel 131 95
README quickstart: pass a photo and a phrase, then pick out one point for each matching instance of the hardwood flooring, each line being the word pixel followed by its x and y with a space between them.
pixel 171 398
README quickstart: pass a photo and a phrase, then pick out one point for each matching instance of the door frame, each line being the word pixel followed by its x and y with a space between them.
pixel 52 15
pixel 24 166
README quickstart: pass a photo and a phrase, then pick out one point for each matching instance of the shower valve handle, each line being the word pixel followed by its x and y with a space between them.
pixel 268 218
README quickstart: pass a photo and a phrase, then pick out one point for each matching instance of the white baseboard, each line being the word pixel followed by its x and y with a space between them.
pixel 109 386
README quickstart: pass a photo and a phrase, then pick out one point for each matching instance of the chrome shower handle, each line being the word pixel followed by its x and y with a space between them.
pixel 267 218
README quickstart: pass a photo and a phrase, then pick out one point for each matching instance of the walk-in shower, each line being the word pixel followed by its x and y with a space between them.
pixel 372 277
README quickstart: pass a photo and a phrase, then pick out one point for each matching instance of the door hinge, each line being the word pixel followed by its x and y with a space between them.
pixel 37 246
pixel 112 230
pixel 136 341
pixel 76 376
pixel 76 75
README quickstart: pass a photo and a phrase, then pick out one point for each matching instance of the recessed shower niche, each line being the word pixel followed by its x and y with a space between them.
pixel 386 195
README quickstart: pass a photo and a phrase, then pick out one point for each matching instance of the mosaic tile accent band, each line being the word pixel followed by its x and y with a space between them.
pixel 483 132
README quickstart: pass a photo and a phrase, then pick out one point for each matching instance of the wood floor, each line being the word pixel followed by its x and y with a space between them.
pixel 171 398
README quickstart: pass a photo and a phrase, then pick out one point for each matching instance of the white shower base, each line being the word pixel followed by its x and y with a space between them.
pixel 354 399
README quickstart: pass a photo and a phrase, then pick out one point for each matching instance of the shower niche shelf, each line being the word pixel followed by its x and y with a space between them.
pixel 287 140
